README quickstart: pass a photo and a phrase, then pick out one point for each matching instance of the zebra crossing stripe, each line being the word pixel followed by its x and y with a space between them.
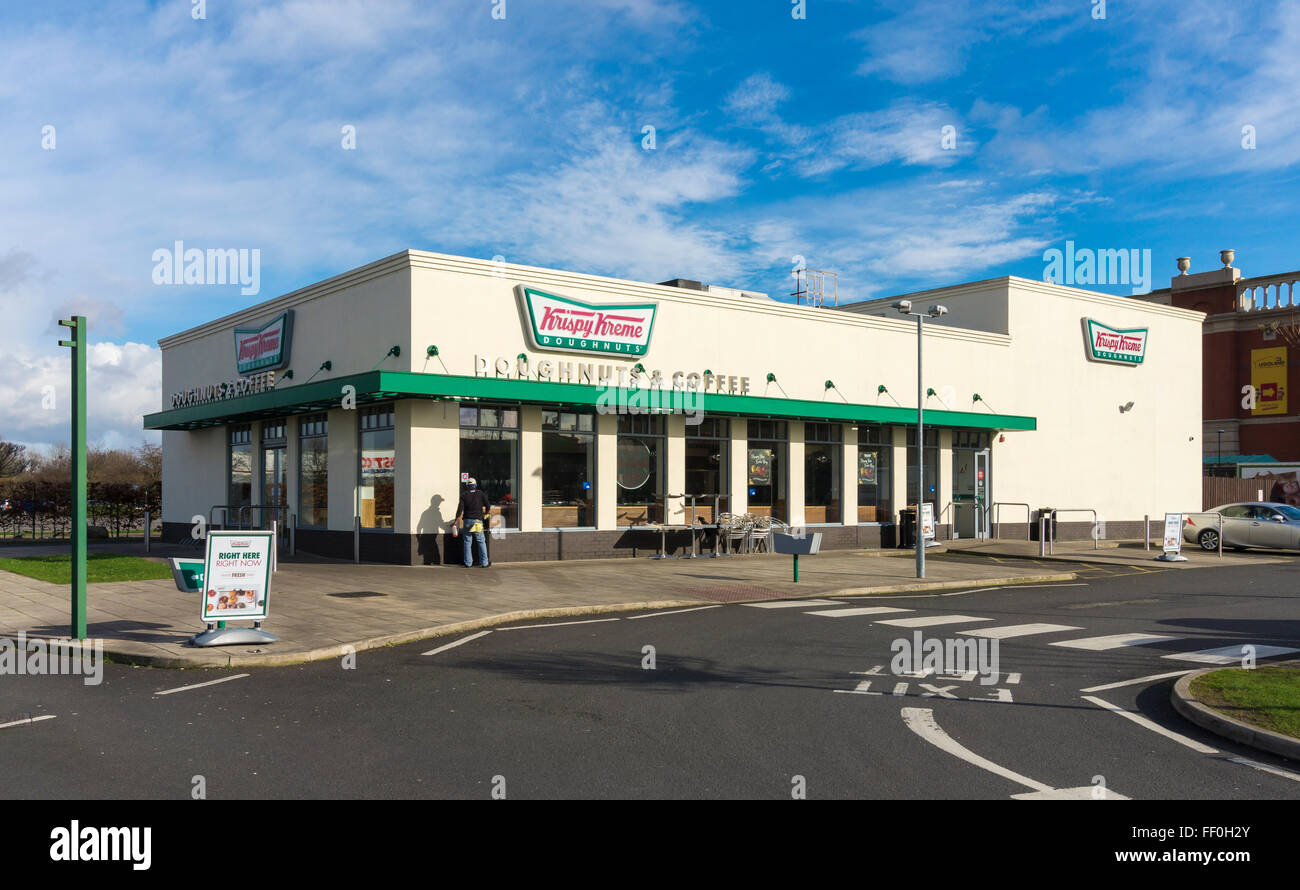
pixel 790 604
pixel 1229 654
pixel 1113 641
pixel 932 620
pixel 863 610
pixel 1016 630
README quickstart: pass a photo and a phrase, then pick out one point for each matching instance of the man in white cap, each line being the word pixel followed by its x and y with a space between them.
pixel 471 521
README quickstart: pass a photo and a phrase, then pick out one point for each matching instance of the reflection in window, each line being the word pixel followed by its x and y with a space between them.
pixel 823 445
pixel 489 453
pixel 708 459
pixel 378 466
pixel 768 442
pixel 240 493
pixel 313 471
pixel 875 480
pixel 640 469
pixel 568 470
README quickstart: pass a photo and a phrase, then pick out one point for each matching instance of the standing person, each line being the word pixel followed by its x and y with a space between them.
pixel 471 519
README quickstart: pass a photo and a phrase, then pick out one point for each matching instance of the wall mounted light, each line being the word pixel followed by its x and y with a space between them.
pixel 324 366
pixel 1125 408
pixel 830 384
pixel 639 368
pixel 771 378
pixel 881 389
pixel 976 398
pixel 929 392
pixel 288 375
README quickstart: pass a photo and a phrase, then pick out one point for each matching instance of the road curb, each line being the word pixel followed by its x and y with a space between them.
pixel 216 658
pixel 1229 727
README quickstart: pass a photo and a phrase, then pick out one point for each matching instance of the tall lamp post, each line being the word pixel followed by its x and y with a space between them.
pixel 904 307
pixel 78 460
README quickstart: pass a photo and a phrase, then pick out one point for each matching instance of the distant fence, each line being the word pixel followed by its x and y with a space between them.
pixel 44 510
pixel 1216 490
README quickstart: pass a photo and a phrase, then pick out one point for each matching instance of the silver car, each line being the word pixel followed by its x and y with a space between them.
pixel 1251 524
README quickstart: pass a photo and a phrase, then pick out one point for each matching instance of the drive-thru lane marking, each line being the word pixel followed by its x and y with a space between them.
pixel 560 624
pixel 1229 654
pixel 27 720
pixel 201 685
pixel 1112 641
pixel 1146 723
pixel 859 610
pixel 1136 680
pixel 462 641
pixel 1016 630
pixel 673 612
pixel 921 721
pixel 790 604
pixel 932 620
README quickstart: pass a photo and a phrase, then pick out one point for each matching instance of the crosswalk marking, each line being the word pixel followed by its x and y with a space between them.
pixel 1228 654
pixel 790 604
pixel 1112 641
pixel 1016 630
pixel 863 610
pixel 932 620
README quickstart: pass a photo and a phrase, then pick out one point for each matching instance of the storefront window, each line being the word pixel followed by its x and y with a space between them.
pixel 568 469
pixel 241 472
pixel 823 446
pixel 489 454
pixel 274 473
pixel 640 469
pixel 931 467
pixel 313 471
pixel 378 464
pixel 708 456
pixel 875 480
pixel 767 448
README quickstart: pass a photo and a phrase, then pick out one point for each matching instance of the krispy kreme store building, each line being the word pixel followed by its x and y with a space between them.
pixel 594 410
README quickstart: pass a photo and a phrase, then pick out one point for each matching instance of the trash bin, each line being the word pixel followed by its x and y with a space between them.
pixel 907 527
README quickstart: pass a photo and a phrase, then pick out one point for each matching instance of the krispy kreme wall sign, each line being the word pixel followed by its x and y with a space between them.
pixel 563 324
pixel 257 349
pixel 1121 347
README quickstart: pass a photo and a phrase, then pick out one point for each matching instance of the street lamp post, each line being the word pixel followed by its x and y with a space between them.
pixel 904 307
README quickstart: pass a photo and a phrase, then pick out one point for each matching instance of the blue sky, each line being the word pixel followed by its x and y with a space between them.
pixel 776 137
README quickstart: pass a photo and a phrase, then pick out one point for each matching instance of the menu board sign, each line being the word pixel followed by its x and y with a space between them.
pixel 760 466
pixel 237 575
pixel 866 468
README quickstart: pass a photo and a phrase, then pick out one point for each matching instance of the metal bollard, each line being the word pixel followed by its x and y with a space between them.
pixel 356 539
pixel 1042 535
pixel 1146 524
pixel 147 523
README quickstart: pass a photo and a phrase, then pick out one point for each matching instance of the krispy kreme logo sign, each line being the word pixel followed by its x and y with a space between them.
pixel 1121 347
pixel 257 349
pixel 567 325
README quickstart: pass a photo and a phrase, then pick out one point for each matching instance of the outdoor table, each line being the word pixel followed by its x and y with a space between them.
pixel 664 529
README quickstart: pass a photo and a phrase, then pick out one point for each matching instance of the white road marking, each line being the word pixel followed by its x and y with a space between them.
pixel 1277 771
pixel 790 604
pixel 1153 726
pixel 1016 630
pixel 1136 680
pixel 28 720
pixel 921 722
pixel 931 620
pixel 1084 792
pixel 559 624
pixel 863 688
pixel 1004 587
pixel 673 612
pixel 200 685
pixel 1013 678
pixel 460 642
pixel 1228 654
pixel 862 610
pixel 1113 641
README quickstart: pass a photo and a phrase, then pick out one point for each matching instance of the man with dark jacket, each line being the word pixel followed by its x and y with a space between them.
pixel 471 520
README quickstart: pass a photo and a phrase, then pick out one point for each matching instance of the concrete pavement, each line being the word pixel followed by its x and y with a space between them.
pixel 320 607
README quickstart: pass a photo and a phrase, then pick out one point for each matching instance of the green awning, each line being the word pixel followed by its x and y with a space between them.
pixel 377 386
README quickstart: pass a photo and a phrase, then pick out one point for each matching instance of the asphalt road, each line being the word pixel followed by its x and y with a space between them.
pixel 742 702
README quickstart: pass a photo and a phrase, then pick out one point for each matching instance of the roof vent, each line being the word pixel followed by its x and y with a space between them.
pixel 684 283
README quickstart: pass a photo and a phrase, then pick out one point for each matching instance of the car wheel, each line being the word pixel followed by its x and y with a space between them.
pixel 1208 539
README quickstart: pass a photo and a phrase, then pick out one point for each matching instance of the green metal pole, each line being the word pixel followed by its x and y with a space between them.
pixel 78 460
pixel 796 567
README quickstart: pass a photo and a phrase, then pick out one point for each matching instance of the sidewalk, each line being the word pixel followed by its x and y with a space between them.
pixel 318 606
pixel 1009 552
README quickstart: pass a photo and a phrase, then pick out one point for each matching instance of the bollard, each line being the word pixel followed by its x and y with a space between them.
pixel 356 539
pixel 1220 515
pixel 1146 524
pixel 146 532
pixel 796 568
pixel 1042 535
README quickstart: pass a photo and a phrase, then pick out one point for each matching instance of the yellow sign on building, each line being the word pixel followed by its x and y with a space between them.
pixel 1268 377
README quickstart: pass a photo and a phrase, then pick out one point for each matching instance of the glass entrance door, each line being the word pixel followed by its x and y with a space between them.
pixel 982 493
pixel 275 490
pixel 970 487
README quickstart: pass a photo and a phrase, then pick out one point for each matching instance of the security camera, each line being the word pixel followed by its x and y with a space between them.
pixel 937 310
pixel 904 306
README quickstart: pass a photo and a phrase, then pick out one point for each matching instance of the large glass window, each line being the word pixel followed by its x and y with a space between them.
pixel 313 471
pixel 768 447
pixel 640 469
pixel 875 480
pixel 708 459
pixel 568 469
pixel 931 466
pixel 822 472
pixel 489 454
pixel 241 472
pixel 274 473
pixel 378 466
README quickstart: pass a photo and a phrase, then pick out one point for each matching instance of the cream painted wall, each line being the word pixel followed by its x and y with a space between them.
pixel 341 466
pixel 194 473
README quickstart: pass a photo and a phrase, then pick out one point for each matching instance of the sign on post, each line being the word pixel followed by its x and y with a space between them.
pixel 927 521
